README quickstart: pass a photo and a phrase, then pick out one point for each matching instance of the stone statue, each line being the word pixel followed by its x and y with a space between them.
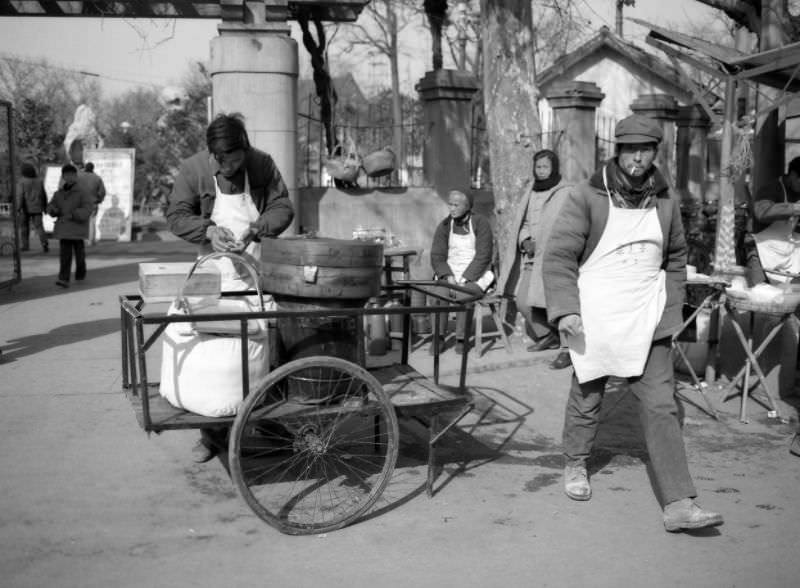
pixel 82 134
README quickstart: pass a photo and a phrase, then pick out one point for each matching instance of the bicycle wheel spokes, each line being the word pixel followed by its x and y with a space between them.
pixel 314 447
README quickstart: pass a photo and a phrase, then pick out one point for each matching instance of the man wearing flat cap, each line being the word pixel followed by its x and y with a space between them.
pixel 614 276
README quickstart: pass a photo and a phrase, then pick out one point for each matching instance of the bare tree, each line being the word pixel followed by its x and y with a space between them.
pixel 510 97
pixel 379 29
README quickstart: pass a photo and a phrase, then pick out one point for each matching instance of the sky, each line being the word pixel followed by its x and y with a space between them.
pixel 130 53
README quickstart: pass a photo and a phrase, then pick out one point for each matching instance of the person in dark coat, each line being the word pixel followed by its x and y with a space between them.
pixel 229 197
pixel 72 207
pixel 97 188
pixel 31 203
pixel 614 278
pixel 462 251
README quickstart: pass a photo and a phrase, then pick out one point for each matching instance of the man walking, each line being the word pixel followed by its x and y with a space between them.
pixel 71 206
pixel 615 272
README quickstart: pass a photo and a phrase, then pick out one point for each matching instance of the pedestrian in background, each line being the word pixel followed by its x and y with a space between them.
pixel 615 276
pixel 97 189
pixel 31 204
pixel 522 277
pixel 72 207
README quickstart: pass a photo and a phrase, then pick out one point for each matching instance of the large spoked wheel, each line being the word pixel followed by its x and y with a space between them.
pixel 314 446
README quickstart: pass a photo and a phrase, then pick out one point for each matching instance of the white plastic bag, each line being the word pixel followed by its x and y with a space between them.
pixel 202 372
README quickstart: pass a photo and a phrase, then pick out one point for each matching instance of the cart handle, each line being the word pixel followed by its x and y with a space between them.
pixel 441 284
pixel 184 303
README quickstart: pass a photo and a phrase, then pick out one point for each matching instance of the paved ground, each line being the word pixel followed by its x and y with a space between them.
pixel 87 499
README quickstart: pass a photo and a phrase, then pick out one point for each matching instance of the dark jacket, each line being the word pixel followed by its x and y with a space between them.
pixel 577 231
pixel 192 198
pixel 32 199
pixel 72 209
pixel 94 185
pixel 773 204
pixel 484 249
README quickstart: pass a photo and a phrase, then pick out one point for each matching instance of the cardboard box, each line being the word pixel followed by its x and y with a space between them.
pixel 161 282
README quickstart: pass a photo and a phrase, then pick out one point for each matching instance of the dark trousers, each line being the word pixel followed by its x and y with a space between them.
pixel 658 412
pixel 34 219
pixel 66 247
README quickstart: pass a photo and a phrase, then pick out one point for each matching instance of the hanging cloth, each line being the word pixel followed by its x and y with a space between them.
pixel 622 294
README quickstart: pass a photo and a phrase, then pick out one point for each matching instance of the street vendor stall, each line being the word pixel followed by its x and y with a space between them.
pixel 309 425
pixel 767 310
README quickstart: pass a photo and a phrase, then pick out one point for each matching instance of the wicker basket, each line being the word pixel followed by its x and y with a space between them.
pixel 379 163
pixel 739 302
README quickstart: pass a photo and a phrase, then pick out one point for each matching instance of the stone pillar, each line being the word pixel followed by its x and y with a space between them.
pixel 691 152
pixel 574 105
pixel 663 108
pixel 447 102
pixel 253 70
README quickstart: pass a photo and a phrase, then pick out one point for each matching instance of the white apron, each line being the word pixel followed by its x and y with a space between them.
pixel 461 252
pixel 622 293
pixel 779 246
pixel 235 212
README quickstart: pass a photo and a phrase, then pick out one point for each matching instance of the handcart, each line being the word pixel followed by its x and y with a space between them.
pixel 314 442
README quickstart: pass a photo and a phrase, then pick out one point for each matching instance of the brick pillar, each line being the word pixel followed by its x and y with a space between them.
pixel 664 109
pixel 691 152
pixel 574 105
pixel 447 101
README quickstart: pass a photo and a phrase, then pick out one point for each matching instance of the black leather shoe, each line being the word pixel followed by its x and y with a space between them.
pixel 561 361
pixel 547 342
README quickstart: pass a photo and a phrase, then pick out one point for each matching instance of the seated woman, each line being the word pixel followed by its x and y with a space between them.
pixel 462 251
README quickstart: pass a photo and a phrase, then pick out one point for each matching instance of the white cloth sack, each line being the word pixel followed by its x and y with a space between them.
pixel 202 372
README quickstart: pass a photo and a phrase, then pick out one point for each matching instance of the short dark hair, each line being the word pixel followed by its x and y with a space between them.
pixel 68 169
pixel 89 167
pixel 794 166
pixel 227 133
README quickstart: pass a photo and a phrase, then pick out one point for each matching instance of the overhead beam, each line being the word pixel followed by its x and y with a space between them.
pixel 324 10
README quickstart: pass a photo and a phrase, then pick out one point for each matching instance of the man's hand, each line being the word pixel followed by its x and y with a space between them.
pixel 222 239
pixel 570 325
pixel 529 247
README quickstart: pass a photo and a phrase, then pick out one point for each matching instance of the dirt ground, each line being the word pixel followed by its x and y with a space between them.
pixel 87 499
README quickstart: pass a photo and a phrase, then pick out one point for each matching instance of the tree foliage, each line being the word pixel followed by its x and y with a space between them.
pixel 44 100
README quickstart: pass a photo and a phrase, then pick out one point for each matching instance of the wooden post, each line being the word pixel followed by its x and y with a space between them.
pixel 724 252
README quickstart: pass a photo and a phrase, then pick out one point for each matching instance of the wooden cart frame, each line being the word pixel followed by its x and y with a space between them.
pixel 337 426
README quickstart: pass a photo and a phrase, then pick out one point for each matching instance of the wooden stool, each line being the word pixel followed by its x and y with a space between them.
pixel 494 305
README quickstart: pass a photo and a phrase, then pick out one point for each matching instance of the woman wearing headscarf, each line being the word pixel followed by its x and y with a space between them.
pixel 523 278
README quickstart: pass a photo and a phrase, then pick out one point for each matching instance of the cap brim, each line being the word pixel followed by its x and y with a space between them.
pixel 636 139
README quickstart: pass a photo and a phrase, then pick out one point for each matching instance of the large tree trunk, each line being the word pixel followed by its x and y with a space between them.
pixel 510 98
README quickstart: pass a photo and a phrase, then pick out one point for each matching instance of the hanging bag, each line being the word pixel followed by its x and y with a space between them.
pixel 344 166
pixel 379 163
pixel 201 362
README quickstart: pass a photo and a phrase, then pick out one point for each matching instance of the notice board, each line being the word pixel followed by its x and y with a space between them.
pixel 115 213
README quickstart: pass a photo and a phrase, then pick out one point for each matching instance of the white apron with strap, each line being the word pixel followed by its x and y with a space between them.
pixel 622 293
pixel 461 252
pixel 779 246
pixel 235 212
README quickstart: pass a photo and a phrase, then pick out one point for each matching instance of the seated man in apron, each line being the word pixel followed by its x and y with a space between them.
pixel 614 278
pixel 461 252
pixel 777 242
pixel 228 197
